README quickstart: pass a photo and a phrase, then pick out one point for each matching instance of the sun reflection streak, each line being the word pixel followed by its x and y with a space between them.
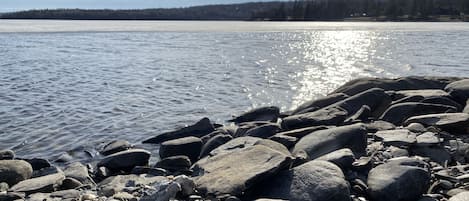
pixel 330 59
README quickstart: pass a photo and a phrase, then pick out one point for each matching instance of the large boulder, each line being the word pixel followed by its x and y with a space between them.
pixel 342 158
pixel 217 174
pixel 400 179
pixel 398 113
pixel 319 103
pixel 312 181
pixel 213 143
pixel 405 83
pixel 199 129
pixel 14 171
pixel 459 90
pixel 323 142
pixel 79 172
pixel 452 122
pixel 328 116
pixel 115 146
pixel 187 146
pixel 264 131
pixel 258 114
pixel 43 184
pixel 126 160
pixel 376 99
pixel 175 163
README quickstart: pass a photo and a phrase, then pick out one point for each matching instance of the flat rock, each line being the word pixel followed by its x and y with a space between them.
pixel 79 172
pixel 379 125
pixel 398 113
pixel 115 146
pixel 187 146
pixel 324 117
pixel 199 129
pixel 285 140
pixel 342 158
pixel 213 143
pixel 258 114
pixel 459 90
pixel 457 122
pixel 435 153
pixel 301 132
pixel 428 139
pixel 217 175
pixel 125 160
pixel 174 163
pixel 424 93
pixel 7 155
pixel 312 181
pixel 264 131
pixel 323 142
pixel 14 171
pixel 115 184
pixel 400 179
pixel 44 184
pixel 398 138
pixel 319 103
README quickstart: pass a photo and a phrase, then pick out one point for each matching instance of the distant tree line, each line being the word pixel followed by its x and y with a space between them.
pixel 299 10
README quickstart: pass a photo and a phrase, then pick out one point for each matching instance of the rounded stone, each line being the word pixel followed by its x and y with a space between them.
pixel 14 171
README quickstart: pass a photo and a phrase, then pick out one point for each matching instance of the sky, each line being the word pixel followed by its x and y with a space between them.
pixel 15 5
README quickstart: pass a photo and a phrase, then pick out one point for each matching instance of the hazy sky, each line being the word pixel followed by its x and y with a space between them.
pixel 13 5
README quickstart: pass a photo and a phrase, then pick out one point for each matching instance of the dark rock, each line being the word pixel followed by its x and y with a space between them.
pixel 218 176
pixel 443 101
pixel 376 126
pixel 150 171
pixel 301 132
pixel 11 196
pixel 398 138
pixel 361 115
pixel 459 90
pixel 375 98
pixel 400 179
pixel 38 163
pixel 14 171
pixel 312 181
pixel 7 155
pixel 436 154
pixel 174 163
pixel 46 171
pixel 342 158
pixel 188 146
pixel 213 143
pixel 264 131
pixel 258 114
pixel 244 127
pixel 285 140
pixel 211 135
pixel 125 160
pixel 397 152
pixel 199 129
pixel 408 99
pixel 319 103
pixel 398 113
pixel 323 142
pixel 463 196
pixel 324 117
pixel 70 183
pixel 404 83
pixel 44 184
pixel 452 122
pixel 115 146
pixel 79 172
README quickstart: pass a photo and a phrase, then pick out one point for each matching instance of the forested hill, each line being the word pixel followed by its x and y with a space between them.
pixel 399 10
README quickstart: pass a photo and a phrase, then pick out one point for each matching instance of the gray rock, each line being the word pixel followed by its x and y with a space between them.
pixel 400 179
pixel 188 146
pixel 319 103
pixel 4 186
pixel 46 171
pixel 404 83
pixel 425 93
pixel 416 128
pixel 361 115
pixel 79 172
pixel 398 113
pixel 213 143
pixel 452 122
pixel 199 129
pixel 301 132
pixel 285 140
pixel 115 184
pixel 397 152
pixel 44 184
pixel 125 160
pixel 377 99
pixel 66 194
pixel 217 175
pixel 70 183
pixel 459 90
pixel 7 155
pixel 324 117
pixel 138 170
pixel 428 139
pixel 187 185
pixel 436 154
pixel 115 146
pixel 342 158
pixel 443 101
pixel 11 196
pixel 258 114
pixel 398 138
pixel 323 142
pixel 174 163
pixel 14 171
pixel 264 131
pixel 376 126
pixel 312 181
pixel 463 196
pixel 38 163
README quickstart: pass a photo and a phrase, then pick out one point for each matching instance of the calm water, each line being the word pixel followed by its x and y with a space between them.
pixel 74 85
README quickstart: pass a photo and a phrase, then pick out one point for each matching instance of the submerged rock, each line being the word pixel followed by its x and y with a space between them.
pixel 199 129
pixel 258 114
pixel 14 171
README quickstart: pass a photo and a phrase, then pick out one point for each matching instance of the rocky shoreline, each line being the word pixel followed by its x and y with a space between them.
pixel 370 140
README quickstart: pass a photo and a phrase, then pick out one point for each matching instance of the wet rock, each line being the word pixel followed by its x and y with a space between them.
pixel 452 122
pixel 312 181
pixel 38 163
pixel 44 184
pixel 258 114
pixel 463 196
pixel 217 175
pixel 125 160
pixel 213 143
pixel 398 113
pixel 398 138
pixel 188 146
pixel 459 90
pixel 324 117
pixel 115 146
pixel 79 172
pixel 264 131
pixel 427 139
pixel 14 171
pixel 342 158
pixel 416 128
pixel 199 129
pixel 7 155
pixel 376 99
pixel 362 115
pixel 319 103
pixel 376 126
pixel 399 179
pixel 322 142
pixel 404 83
pixel 285 140
pixel 115 184
pixel 301 132
pixel 174 163
pixel 70 183
pixel 435 153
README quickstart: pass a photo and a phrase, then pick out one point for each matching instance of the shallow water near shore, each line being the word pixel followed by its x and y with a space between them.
pixel 74 85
